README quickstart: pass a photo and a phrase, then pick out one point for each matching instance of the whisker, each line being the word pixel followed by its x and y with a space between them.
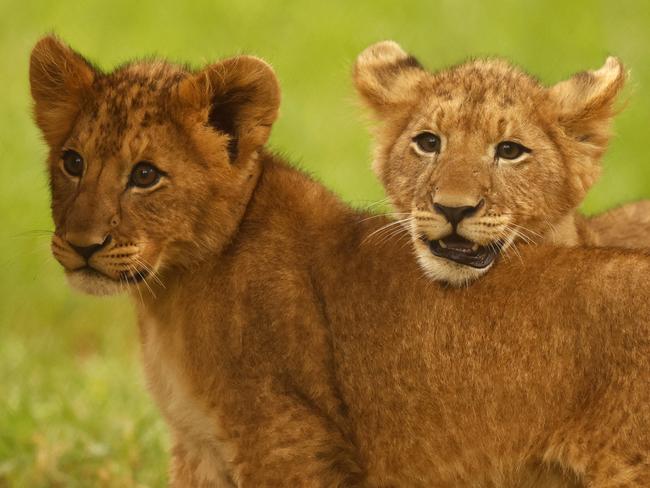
pixel 120 282
pixel 534 238
pixel 520 234
pixel 130 268
pixel 144 280
pixel 395 233
pixel 149 269
pixel 526 229
pixel 386 227
pixel 388 214
pixel 407 242
pixel 388 233
pixel 382 201
pixel 516 251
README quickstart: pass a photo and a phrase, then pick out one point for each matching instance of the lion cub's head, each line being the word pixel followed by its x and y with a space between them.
pixel 482 155
pixel 150 164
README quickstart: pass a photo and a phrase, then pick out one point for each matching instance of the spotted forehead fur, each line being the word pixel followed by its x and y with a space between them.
pixel 482 80
pixel 470 95
pixel 133 97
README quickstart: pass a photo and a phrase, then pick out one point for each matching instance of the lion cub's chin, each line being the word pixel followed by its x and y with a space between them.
pixel 441 269
pixel 94 283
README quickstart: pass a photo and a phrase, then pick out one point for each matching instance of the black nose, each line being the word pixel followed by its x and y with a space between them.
pixel 455 214
pixel 87 251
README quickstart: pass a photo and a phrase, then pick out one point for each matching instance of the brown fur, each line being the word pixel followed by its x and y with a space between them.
pixel 284 348
pixel 473 107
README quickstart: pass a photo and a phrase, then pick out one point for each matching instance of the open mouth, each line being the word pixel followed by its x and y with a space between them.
pixel 463 251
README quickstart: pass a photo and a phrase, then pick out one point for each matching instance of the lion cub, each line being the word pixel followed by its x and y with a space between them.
pixel 482 156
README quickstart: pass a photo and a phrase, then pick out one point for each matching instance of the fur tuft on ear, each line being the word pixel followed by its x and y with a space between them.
pixel 58 77
pixel 239 97
pixel 586 104
pixel 386 76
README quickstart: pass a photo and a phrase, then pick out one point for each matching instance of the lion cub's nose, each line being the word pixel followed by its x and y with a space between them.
pixel 87 251
pixel 455 214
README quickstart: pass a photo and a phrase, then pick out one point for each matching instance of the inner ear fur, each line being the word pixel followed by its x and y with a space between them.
pixel 586 104
pixel 239 97
pixel 386 77
pixel 59 78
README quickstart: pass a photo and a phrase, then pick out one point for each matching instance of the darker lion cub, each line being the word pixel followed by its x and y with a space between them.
pixel 282 350
pixel 482 157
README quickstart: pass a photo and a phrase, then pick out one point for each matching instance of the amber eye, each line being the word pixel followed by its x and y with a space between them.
pixel 510 150
pixel 427 142
pixel 144 175
pixel 73 163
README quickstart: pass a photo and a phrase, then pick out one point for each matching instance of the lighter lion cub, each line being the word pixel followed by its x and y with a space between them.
pixel 482 156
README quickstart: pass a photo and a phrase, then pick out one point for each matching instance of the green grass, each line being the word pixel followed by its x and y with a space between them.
pixel 73 407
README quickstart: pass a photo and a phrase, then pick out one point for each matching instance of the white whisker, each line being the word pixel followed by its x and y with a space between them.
pixel 386 227
pixel 154 274
pixel 130 268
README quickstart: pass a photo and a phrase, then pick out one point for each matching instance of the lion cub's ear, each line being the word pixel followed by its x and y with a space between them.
pixel 386 77
pixel 586 104
pixel 59 78
pixel 239 97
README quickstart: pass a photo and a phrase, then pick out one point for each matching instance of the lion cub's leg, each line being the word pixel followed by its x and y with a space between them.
pixel 198 467
pixel 624 469
pixel 275 441
pixel 291 444
pixel 608 447
pixel 627 467
pixel 625 226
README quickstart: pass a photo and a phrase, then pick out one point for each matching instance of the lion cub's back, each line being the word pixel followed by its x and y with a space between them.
pixel 626 226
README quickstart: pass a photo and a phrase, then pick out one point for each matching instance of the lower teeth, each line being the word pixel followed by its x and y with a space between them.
pixel 475 247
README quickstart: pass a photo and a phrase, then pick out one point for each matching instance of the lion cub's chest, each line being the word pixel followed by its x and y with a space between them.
pixel 198 437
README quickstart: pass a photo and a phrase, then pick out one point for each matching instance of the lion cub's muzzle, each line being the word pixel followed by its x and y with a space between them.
pixel 456 247
pixel 120 262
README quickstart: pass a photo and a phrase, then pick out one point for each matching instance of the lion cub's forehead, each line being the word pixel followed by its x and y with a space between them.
pixel 486 80
pixel 125 103
pixel 480 94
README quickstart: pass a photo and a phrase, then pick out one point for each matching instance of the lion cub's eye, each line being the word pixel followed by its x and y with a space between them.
pixel 73 163
pixel 510 150
pixel 427 142
pixel 144 175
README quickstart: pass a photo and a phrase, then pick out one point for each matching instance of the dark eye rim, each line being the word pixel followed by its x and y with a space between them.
pixel 64 157
pixel 159 174
pixel 418 137
pixel 521 150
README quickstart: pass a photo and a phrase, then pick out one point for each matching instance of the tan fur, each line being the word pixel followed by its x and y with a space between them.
pixel 625 226
pixel 473 107
pixel 285 348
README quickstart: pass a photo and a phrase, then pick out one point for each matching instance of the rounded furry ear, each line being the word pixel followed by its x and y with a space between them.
pixel 585 104
pixel 386 76
pixel 58 78
pixel 239 97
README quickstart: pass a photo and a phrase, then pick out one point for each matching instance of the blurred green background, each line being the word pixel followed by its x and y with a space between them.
pixel 73 406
